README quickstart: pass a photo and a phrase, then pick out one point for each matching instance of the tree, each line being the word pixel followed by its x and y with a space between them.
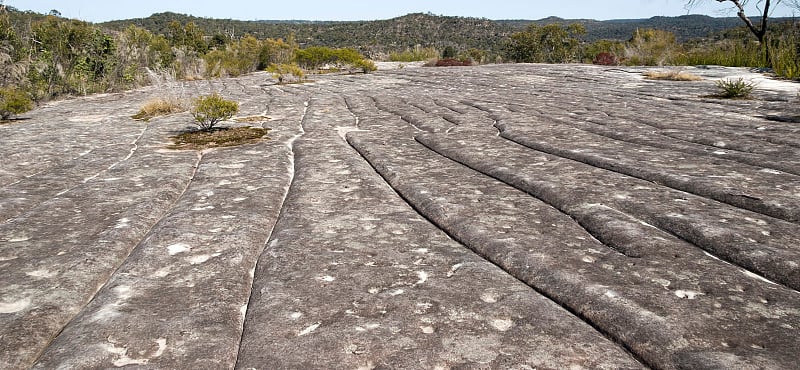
pixel 552 43
pixel 759 31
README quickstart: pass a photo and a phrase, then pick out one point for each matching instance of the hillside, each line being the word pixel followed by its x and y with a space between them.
pixel 426 29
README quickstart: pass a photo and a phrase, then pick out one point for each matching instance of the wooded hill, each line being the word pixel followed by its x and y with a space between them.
pixel 426 29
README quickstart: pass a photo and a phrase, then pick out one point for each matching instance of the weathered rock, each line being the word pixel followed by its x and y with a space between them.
pixel 504 216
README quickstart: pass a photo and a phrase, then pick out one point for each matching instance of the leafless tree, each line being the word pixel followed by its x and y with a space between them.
pixel 764 7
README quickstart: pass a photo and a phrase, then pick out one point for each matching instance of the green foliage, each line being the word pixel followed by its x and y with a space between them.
pixel 365 65
pixel 552 43
pixel 241 57
pixel 449 52
pixel 733 89
pixel 212 109
pixel 592 50
pixel 416 54
pixel 13 101
pixel 281 71
pixel 317 57
pixel 476 56
pixel 650 47
pixel 729 53
pixel 785 51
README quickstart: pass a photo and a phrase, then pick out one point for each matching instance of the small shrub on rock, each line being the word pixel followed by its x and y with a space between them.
pixel 12 102
pixel 606 59
pixel 212 109
pixel 281 71
pixel 453 63
pixel 735 89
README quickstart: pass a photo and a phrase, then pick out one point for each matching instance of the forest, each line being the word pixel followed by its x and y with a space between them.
pixel 43 56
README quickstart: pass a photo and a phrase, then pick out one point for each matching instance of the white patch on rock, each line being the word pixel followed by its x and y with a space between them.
pixel 423 277
pixel 420 250
pixel 310 329
pixel 206 208
pixel 663 282
pixel 687 294
pixel 489 297
pixel 41 273
pixel 18 239
pixel 15 307
pixel 196 260
pixel 502 324
pixel 162 346
pixel 454 269
pixel 427 329
pixel 162 272
pixel 122 223
pixel 759 277
pixel 327 278
pixel 123 359
pixel 296 315
pixel 396 292
pixel 588 259
pixel 178 248
pixel 233 166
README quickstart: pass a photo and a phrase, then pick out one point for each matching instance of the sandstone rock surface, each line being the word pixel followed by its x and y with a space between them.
pixel 502 216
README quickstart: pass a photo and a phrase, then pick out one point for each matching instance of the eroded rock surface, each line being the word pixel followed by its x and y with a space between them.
pixel 509 216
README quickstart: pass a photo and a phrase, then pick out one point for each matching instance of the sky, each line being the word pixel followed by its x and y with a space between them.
pixel 339 10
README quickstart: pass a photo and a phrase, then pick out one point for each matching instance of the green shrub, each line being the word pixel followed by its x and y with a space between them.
pixel 552 43
pixel 13 101
pixel 282 70
pixel 417 54
pixel 212 109
pixel 733 89
pixel 365 65
pixel 650 47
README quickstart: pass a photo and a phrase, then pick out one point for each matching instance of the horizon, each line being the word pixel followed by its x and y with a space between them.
pixel 343 11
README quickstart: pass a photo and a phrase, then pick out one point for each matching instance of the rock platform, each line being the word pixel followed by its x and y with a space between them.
pixel 501 216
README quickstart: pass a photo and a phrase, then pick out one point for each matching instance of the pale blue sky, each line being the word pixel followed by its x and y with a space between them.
pixel 104 10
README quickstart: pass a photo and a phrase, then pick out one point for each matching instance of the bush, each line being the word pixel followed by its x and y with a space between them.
pixel 13 101
pixel 650 47
pixel 281 71
pixel 417 54
pixel 452 63
pixel 212 109
pixel 365 65
pixel 733 89
pixel 552 43
pixel 606 59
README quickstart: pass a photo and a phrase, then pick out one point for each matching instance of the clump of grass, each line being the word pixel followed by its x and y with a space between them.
pixel 218 137
pixel 735 89
pixel 159 107
pixel 671 76
pixel 251 119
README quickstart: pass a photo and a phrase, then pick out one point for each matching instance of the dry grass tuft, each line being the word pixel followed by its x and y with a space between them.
pixel 218 137
pixel 671 76
pixel 251 119
pixel 159 107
